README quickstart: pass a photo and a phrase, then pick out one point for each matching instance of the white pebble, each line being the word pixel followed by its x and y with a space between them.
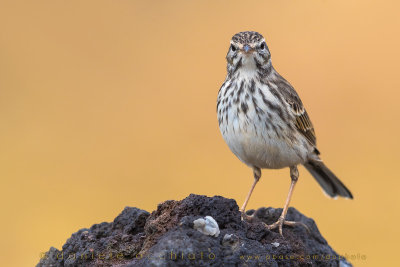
pixel 275 244
pixel 207 226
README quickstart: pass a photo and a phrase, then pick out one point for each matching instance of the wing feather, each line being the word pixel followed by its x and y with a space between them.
pixel 304 125
pixel 302 120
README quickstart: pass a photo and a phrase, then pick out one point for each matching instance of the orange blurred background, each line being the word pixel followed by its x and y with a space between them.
pixel 107 104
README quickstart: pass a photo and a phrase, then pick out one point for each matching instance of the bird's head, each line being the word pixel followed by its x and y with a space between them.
pixel 249 52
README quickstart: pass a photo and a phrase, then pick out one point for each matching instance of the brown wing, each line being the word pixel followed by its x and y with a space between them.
pixel 302 122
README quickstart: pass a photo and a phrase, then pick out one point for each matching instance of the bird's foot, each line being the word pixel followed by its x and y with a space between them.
pixel 245 217
pixel 281 221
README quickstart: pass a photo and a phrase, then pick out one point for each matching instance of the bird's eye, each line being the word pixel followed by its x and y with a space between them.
pixel 233 48
pixel 263 46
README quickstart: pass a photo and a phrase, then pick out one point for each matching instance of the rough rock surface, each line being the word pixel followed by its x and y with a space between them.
pixel 166 238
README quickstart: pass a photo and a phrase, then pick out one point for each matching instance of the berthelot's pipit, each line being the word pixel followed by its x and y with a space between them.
pixel 264 122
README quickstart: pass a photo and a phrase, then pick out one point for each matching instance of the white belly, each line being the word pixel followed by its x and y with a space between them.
pixel 263 151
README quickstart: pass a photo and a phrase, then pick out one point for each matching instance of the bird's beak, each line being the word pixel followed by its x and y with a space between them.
pixel 247 49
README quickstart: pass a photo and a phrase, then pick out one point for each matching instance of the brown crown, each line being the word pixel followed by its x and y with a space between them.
pixel 248 37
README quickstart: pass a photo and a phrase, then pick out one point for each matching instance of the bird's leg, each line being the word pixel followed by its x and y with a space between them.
pixel 294 175
pixel 257 175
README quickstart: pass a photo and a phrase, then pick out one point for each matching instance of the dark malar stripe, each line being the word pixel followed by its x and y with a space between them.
pixel 234 56
pixel 237 66
pixel 266 57
pixel 258 64
pixel 263 70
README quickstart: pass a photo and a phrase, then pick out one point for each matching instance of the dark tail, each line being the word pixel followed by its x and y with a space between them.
pixel 327 180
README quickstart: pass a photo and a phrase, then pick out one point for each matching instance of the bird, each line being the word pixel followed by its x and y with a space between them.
pixel 265 124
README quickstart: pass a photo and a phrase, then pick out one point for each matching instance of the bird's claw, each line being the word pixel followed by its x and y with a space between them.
pixel 281 221
pixel 245 217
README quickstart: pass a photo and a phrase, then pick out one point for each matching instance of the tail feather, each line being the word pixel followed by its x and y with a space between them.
pixel 327 180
